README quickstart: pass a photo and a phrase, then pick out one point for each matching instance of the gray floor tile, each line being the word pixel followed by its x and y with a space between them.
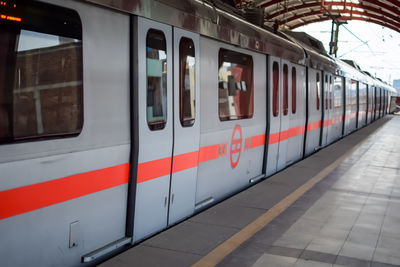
pixel 358 251
pixel 274 260
pixel 294 240
pixel 192 237
pixel 367 239
pixel 326 245
pixel 387 255
pixel 227 214
pixel 144 256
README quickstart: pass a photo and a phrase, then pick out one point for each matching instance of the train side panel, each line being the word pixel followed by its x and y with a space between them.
pixel 297 111
pixel 67 196
pixel 231 150
pixel 314 111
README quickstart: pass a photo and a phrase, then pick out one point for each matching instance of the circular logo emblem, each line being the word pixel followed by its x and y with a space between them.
pixel 236 146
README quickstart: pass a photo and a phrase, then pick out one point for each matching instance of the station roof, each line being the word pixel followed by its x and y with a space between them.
pixel 291 14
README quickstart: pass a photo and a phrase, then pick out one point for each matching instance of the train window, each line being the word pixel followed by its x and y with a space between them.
pixel 285 89
pixel 187 82
pixel 353 92
pixel 156 71
pixel 41 84
pixel 326 94
pixel 235 82
pixel 338 92
pixel 317 90
pixel 294 90
pixel 330 92
pixel 275 89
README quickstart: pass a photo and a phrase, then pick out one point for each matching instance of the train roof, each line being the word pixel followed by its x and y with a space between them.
pixel 221 23
pixel 208 20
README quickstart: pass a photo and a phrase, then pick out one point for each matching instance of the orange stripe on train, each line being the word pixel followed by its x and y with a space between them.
pixel 32 197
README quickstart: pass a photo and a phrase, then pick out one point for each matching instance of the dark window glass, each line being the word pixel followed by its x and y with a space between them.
pixel 338 91
pixel 326 93
pixel 187 82
pixel 285 89
pixel 294 90
pixel 40 72
pixel 235 82
pixel 156 71
pixel 317 89
pixel 275 89
pixel 330 92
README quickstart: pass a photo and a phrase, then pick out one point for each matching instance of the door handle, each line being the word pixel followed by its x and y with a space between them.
pixel 172 199
pixel 165 201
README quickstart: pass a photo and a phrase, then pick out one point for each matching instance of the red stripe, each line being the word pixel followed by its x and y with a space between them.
pixel 314 125
pixel 299 130
pixel 258 140
pixel 273 138
pixel 32 197
pixel 185 161
pixel 284 135
pixel 207 153
pixel 153 169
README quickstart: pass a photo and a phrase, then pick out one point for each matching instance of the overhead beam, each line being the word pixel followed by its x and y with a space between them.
pixel 344 18
pixel 331 3
pixel 351 12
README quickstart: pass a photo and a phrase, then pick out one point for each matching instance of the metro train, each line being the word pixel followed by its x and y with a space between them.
pixel 121 118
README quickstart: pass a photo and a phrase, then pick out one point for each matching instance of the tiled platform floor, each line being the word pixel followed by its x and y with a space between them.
pixel 350 218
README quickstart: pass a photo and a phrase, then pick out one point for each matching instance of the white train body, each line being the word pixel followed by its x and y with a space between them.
pixel 119 119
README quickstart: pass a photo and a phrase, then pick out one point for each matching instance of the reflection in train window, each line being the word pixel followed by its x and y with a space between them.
pixel 353 92
pixel 41 85
pixel 285 89
pixel 187 82
pixel 326 92
pixel 294 90
pixel 156 72
pixel 318 89
pixel 337 92
pixel 235 83
pixel 363 94
pixel 330 92
pixel 275 89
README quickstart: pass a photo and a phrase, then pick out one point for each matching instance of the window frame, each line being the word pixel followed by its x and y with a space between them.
pixel 182 104
pixel 275 89
pixel 161 124
pixel 317 89
pixel 238 92
pixel 55 21
pixel 294 90
pixel 285 90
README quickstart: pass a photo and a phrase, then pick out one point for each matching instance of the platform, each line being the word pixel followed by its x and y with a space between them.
pixel 338 207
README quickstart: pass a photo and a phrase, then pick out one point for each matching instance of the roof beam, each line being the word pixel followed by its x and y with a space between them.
pixel 345 11
pixel 345 18
pixel 331 3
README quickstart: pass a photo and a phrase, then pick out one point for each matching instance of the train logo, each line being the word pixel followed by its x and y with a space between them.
pixel 236 146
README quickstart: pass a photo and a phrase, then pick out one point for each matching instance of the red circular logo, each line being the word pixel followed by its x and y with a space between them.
pixel 236 146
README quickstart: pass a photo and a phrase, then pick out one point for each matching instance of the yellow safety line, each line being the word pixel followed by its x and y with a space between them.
pixel 224 249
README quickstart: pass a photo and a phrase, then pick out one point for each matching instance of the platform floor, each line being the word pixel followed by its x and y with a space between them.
pixel 339 207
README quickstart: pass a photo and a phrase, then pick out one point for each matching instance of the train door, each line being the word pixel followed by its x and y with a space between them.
pixel 155 126
pixel 297 110
pixel 326 110
pixel 284 116
pixel 314 111
pixel 373 103
pixel 379 102
pixel 186 125
pixel 275 118
pixel 168 126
